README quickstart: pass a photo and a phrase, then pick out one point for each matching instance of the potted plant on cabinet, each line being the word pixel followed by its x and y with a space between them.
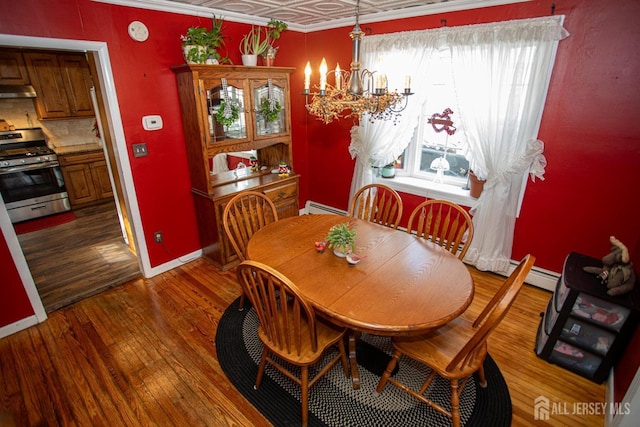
pixel 342 239
pixel 200 46
pixel 274 29
pixel 252 44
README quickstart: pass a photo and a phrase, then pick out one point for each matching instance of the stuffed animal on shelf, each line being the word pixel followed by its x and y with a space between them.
pixel 617 271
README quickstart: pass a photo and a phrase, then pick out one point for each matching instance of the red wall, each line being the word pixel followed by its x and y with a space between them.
pixel 14 302
pixel 591 135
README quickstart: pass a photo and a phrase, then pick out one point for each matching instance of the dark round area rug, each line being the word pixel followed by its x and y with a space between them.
pixel 333 401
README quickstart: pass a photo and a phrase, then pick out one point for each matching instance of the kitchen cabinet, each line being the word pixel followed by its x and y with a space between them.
pixel 86 177
pixel 583 329
pixel 13 70
pixel 204 91
pixel 63 84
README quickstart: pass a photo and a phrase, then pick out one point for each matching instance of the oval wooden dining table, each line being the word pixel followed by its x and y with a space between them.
pixel 403 284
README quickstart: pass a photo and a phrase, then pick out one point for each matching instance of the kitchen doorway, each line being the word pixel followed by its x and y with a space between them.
pixel 116 157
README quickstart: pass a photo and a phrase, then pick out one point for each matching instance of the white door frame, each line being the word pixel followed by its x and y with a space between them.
pixel 105 79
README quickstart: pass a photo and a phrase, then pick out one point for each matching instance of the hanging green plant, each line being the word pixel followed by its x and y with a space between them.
pixel 269 109
pixel 227 113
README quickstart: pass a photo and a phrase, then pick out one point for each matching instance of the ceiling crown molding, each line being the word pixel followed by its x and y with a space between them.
pixel 323 23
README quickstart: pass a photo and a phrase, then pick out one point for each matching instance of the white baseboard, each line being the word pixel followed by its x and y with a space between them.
pixel 162 268
pixel 539 277
pixel 21 324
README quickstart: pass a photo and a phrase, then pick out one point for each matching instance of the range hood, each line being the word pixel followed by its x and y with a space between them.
pixel 17 91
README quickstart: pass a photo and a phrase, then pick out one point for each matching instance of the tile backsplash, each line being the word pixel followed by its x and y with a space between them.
pixel 21 113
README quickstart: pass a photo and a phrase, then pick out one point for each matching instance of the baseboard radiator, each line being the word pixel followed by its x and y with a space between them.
pixel 311 208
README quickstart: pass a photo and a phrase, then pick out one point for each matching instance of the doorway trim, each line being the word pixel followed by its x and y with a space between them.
pixel 123 166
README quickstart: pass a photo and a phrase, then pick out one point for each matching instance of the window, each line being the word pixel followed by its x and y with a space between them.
pixel 434 155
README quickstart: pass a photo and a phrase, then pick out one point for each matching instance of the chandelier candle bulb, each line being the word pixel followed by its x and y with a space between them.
pixel 323 75
pixel 338 77
pixel 307 77
pixel 407 84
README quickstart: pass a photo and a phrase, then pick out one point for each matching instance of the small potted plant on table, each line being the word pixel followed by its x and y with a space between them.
pixel 342 239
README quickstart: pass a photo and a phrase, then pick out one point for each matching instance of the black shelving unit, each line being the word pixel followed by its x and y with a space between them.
pixel 583 329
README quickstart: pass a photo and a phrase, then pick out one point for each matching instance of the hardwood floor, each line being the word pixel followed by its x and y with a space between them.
pixel 144 354
pixel 80 258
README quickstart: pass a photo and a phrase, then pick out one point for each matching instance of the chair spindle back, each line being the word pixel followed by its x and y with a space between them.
pixel 444 223
pixel 377 203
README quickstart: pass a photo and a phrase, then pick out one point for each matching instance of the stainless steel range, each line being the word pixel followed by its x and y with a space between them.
pixel 31 181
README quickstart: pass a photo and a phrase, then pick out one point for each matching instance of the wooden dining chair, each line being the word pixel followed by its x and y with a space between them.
pixel 289 330
pixel 377 203
pixel 245 214
pixel 444 223
pixel 458 349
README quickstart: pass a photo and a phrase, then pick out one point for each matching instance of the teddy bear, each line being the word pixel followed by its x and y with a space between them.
pixel 617 271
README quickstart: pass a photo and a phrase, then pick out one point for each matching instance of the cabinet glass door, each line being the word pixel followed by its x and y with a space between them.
pixel 269 104
pixel 225 105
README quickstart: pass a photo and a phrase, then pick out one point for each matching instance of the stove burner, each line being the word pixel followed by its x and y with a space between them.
pixel 24 147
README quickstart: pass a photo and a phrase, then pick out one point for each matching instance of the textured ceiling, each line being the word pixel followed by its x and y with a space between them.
pixel 306 12
pixel 309 15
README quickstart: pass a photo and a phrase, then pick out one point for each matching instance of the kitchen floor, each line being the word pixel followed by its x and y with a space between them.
pixel 81 258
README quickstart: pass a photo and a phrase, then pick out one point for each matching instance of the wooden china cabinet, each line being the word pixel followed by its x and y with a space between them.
pixel 205 90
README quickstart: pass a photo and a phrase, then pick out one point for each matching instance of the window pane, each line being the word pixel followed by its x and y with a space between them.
pixel 434 148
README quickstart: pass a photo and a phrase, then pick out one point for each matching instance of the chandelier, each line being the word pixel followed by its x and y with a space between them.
pixel 348 96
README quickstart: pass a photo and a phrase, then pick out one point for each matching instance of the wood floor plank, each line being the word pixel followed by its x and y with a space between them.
pixel 79 370
pixel 143 353
pixel 122 344
pixel 70 390
pixel 58 400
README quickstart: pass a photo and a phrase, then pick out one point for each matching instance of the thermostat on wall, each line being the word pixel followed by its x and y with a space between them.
pixel 152 122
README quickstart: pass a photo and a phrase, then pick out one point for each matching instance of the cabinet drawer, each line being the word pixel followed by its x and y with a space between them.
pixel 587 336
pixel 574 358
pixel 600 312
pixel 81 157
pixel 281 192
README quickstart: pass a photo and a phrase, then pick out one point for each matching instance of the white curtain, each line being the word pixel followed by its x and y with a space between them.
pixel 501 74
pixel 379 143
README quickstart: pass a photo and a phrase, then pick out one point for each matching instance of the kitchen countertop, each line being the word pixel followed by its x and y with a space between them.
pixel 74 149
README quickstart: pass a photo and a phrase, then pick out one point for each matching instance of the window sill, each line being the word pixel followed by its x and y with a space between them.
pixel 430 189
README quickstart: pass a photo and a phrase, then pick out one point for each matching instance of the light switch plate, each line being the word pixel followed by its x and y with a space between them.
pixel 140 150
pixel 152 122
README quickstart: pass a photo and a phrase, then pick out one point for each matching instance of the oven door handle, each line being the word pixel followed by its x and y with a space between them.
pixel 30 167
